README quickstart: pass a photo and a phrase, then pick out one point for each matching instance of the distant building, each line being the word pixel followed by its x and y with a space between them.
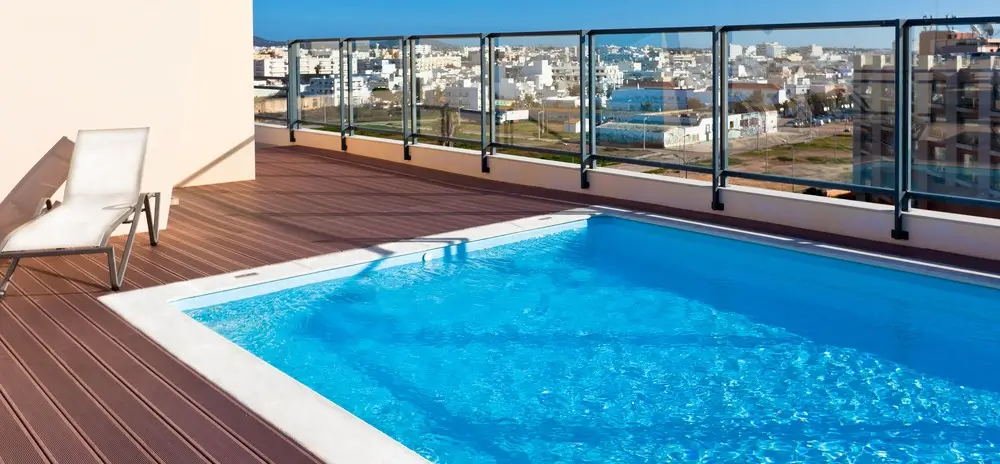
pixel 330 85
pixel 665 96
pixel 949 42
pixel 609 76
pixel 741 91
pixel 815 51
pixel 799 86
pixel 735 50
pixel 677 129
pixel 465 94
pixel 430 62
pixel 774 50
pixel 270 67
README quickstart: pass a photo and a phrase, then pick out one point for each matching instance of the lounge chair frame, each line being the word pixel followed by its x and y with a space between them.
pixel 117 272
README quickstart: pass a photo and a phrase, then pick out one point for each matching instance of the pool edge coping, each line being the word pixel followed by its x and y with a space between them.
pixel 318 424
pixel 326 429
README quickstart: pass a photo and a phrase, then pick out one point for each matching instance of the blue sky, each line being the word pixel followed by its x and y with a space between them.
pixel 283 20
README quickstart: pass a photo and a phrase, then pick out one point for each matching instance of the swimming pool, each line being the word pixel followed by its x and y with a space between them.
pixel 611 340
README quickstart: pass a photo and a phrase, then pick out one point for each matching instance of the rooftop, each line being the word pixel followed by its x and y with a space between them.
pixel 80 385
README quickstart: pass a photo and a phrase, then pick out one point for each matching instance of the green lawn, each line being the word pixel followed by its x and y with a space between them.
pixel 840 142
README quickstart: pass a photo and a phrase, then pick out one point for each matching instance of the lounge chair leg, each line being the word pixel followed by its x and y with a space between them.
pixel 152 218
pixel 116 281
pixel 118 273
pixel 6 277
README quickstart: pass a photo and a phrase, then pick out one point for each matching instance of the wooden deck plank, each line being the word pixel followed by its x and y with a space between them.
pixel 15 439
pixel 108 436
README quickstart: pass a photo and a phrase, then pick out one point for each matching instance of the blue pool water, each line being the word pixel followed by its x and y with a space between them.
pixel 627 342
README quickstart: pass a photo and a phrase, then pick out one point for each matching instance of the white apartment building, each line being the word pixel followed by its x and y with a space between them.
pixel 508 89
pixel 330 85
pixel 609 76
pixel 327 65
pixel 567 74
pixel 465 94
pixel 774 50
pixel 539 71
pixel 422 49
pixel 429 62
pixel 270 67
pixel 815 51
pixel 682 61
pixel 798 86
pixel 735 50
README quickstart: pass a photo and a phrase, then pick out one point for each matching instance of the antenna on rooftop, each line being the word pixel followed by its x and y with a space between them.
pixel 989 29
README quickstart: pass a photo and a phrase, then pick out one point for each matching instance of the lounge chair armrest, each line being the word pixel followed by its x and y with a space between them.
pixel 44 205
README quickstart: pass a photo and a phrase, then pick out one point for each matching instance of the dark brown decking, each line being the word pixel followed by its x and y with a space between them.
pixel 79 385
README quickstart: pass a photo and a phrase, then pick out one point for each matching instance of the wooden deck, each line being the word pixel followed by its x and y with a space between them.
pixel 79 385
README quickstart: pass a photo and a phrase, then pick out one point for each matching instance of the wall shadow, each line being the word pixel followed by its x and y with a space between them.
pixel 42 181
pixel 215 162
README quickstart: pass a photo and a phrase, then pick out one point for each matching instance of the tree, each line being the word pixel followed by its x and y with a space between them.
pixel 696 104
pixel 839 98
pixel 816 102
pixel 449 124
pixel 757 100
pixel 574 89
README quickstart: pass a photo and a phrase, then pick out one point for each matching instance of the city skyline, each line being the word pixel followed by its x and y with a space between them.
pixel 275 21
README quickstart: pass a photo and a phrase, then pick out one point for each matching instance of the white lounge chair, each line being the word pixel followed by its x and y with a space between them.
pixel 102 192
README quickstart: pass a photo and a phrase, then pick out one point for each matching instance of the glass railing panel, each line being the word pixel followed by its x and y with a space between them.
pixel 653 100
pixel 376 86
pixel 537 87
pixel 320 69
pixel 815 106
pixel 447 92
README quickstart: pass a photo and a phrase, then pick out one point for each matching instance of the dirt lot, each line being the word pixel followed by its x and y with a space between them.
pixel 822 153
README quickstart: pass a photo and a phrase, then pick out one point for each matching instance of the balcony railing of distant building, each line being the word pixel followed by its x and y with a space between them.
pixel 586 151
pixel 969 102
pixel 967 173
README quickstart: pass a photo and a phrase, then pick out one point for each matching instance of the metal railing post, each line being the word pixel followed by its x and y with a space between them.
pixel 404 63
pixel 585 100
pixel 414 112
pixel 492 63
pixel 292 91
pixel 591 101
pixel 349 130
pixel 341 70
pixel 903 139
pixel 485 108
pixel 720 110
